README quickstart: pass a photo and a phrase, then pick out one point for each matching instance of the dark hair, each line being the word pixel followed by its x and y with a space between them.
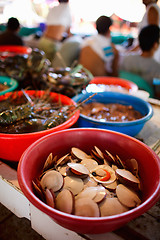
pixel 13 24
pixel 61 1
pixel 148 36
pixel 103 24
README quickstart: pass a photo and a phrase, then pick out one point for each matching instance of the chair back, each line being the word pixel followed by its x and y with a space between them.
pixel 141 83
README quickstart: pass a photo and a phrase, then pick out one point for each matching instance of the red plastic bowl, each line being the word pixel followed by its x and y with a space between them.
pixel 13 145
pixel 7 51
pixel 60 143
pixel 130 86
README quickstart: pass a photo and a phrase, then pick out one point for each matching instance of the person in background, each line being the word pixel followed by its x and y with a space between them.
pixel 10 35
pixel 98 54
pixel 143 63
pixel 151 16
pixel 68 54
pixel 58 25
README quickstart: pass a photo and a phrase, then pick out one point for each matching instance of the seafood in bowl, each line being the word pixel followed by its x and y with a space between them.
pixel 116 122
pixel 97 184
pixel 60 144
pixel 22 124
pixel 114 84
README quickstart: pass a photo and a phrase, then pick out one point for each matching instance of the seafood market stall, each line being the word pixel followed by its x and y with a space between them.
pixel 144 227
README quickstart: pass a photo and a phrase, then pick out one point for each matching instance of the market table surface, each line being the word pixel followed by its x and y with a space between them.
pixel 145 227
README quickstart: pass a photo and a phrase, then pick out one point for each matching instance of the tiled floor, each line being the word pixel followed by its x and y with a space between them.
pixel 14 228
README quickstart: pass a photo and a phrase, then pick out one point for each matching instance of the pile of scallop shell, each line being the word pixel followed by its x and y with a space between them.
pixel 94 185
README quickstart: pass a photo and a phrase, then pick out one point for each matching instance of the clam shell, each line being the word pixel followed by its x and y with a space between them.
pixel 74 184
pixel 89 182
pixel 38 189
pixel 109 169
pixel 111 186
pixel 86 207
pixel 50 162
pixel 101 194
pixel 78 153
pixel 110 157
pixel 99 152
pixel 97 193
pixel 111 206
pixel 78 168
pixel 132 165
pixel 127 178
pixel 97 157
pixel 63 160
pixel 89 163
pixel 65 201
pixel 119 162
pixel 52 180
pixel 89 192
pixel 127 196
pixel 50 198
pixel 62 170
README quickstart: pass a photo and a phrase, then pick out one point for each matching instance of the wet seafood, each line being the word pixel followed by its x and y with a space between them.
pixel 90 190
pixel 45 113
pixel 112 112
pixel 69 81
pixel 35 71
pixel 65 201
pixel 127 197
pixel 86 207
pixel 16 114
pixel 112 206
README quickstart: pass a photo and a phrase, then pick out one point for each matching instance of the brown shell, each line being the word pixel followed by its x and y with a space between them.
pixel 65 201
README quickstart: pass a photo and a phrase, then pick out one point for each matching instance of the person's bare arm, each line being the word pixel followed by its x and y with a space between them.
pixel 153 16
pixel 115 64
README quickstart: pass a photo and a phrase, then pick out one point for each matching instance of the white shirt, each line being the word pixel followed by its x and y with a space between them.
pixel 102 46
pixel 144 21
pixel 60 15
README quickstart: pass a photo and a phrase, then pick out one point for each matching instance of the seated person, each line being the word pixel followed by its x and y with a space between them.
pixel 98 54
pixel 10 36
pixel 58 23
pixel 143 63
pixel 68 53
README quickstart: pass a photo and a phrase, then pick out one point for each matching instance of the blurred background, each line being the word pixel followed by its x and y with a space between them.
pixel 125 13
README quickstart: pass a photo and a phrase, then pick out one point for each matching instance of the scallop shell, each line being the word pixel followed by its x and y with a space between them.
pixel 109 169
pixel 65 201
pixel 78 153
pixel 78 168
pixel 74 184
pixel 127 196
pixel 111 206
pixel 89 182
pixel 52 180
pixel 89 163
pixel 63 160
pixel 86 207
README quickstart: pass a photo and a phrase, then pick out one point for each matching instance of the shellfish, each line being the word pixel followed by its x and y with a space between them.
pixel 79 184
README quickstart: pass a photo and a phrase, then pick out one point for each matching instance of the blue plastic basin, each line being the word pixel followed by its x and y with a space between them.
pixel 131 128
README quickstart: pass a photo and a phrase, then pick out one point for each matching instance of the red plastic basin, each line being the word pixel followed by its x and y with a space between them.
pixel 13 145
pixel 130 86
pixel 7 51
pixel 60 143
